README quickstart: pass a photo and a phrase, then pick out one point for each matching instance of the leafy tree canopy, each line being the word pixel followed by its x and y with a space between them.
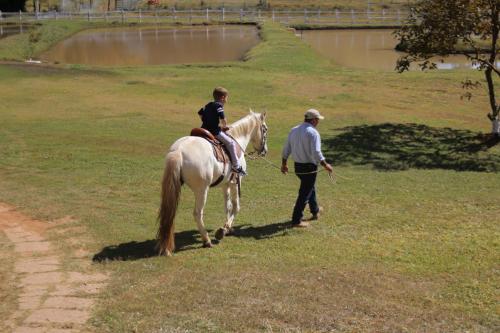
pixel 444 27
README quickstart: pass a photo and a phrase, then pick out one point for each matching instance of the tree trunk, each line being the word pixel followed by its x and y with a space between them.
pixel 493 54
pixel 495 129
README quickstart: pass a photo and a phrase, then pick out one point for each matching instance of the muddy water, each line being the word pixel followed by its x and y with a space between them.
pixel 369 49
pixel 141 46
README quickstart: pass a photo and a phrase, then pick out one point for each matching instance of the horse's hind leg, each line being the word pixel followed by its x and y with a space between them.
pixel 200 200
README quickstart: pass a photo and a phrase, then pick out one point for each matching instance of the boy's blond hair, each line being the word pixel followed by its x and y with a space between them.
pixel 220 92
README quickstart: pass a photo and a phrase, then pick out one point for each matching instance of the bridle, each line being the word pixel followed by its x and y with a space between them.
pixel 263 134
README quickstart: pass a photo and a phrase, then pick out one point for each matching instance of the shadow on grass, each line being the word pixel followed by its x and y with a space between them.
pixel 184 240
pixel 403 146
pixel 261 232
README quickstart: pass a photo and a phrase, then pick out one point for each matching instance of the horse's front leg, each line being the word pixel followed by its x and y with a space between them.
pixel 233 207
pixel 200 200
pixel 221 232
pixel 235 204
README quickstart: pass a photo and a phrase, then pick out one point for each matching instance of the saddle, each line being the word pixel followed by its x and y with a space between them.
pixel 220 151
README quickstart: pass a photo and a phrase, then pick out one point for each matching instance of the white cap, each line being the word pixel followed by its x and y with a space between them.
pixel 313 114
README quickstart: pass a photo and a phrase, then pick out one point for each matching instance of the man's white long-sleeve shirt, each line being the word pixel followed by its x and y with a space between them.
pixel 304 143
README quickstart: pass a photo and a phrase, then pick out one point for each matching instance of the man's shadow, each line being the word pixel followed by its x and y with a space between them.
pixel 392 147
pixel 184 241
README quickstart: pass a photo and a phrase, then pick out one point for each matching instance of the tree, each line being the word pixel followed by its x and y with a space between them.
pixel 11 5
pixel 438 28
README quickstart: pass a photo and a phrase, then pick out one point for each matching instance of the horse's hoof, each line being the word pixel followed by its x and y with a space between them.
pixel 207 244
pixel 220 233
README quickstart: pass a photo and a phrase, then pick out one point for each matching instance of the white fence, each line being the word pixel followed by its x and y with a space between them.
pixel 289 17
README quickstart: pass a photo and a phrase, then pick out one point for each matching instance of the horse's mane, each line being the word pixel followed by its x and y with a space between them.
pixel 243 126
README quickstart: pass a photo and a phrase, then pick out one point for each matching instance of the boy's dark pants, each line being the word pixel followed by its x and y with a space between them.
pixel 307 191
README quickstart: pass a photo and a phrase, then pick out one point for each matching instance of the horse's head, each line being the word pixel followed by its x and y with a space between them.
pixel 259 134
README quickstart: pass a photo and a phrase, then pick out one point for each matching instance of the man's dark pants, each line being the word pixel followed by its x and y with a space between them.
pixel 307 192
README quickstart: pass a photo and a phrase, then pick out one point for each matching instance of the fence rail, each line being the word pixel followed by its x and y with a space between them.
pixel 289 17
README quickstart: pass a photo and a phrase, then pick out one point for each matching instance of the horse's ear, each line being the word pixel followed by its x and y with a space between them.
pixel 263 115
pixel 250 110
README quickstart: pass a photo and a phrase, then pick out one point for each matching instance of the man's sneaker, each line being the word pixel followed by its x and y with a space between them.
pixel 301 224
pixel 239 171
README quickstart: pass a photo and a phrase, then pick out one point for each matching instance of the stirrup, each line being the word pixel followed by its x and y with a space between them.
pixel 239 171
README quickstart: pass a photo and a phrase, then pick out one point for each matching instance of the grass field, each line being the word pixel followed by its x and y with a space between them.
pixel 408 241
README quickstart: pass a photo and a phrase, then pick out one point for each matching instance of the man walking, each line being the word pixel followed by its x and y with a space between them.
pixel 304 144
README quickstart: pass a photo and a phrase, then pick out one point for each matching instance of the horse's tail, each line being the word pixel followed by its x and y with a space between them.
pixel 170 194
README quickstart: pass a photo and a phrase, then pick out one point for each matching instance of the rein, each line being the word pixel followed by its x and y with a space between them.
pixel 331 176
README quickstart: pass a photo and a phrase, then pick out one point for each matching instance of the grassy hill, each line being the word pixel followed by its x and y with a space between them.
pixel 408 241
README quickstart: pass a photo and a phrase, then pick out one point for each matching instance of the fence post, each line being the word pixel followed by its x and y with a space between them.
pixel 305 15
pixel 241 15
pixel 20 16
pixel 140 15
pixel 174 14
pixel 88 15
pixel 207 14
pixel 399 17
pixel 106 16
pixel 1 17
pixel 55 14
pixel 352 16
pixel 156 15
pixel 383 15
pixel 223 14
pixel 273 15
pixel 123 18
pixel 319 15
pixel 190 15
pixel 258 13
pixel 337 16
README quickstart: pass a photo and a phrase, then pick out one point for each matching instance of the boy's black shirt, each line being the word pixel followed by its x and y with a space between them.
pixel 210 116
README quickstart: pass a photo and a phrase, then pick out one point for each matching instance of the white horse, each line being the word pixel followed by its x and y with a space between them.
pixel 191 160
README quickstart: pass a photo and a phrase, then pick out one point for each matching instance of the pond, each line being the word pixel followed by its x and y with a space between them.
pixel 365 48
pixel 155 46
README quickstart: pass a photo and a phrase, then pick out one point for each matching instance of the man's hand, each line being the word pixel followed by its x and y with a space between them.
pixel 284 169
pixel 327 166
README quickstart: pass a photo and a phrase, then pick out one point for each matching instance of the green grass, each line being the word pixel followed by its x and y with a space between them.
pixel 8 292
pixel 408 241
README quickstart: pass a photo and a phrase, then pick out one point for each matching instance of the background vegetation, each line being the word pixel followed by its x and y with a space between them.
pixel 408 241
pixel 264 4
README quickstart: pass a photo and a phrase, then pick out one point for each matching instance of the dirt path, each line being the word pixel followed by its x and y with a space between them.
pixel 51 298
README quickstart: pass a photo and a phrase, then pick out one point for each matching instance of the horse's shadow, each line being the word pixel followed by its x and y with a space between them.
pixel 184 241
